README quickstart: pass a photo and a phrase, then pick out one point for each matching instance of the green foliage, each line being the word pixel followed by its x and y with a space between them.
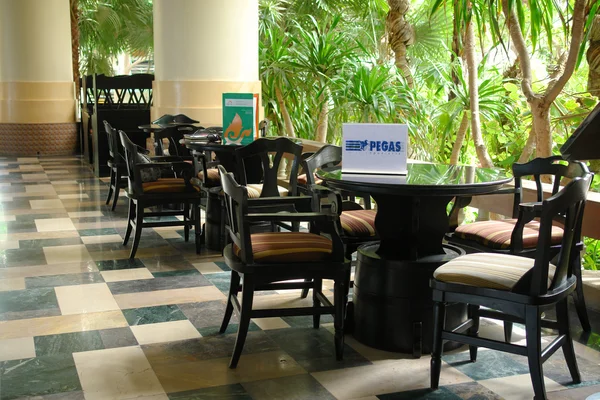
pixel 591 258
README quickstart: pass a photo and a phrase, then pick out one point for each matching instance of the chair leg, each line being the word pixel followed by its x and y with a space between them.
pixel 110 186
pixel 317 288
pixel 579 300
pixel 234 287
pixel 186 219
pixel 305 290
pixel 131 215
pixel 508 328
pixel 116 196
pixel 439 319
pixel 562 317
pixel 534 351
pixel 473 313
pixel 247 297
pixel 340 297
pixel 139 221
pixel 197 227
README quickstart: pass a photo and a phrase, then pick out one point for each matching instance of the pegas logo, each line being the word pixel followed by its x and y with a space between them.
pixel 375 146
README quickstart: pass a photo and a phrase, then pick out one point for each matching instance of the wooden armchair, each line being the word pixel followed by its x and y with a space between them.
pixel 161 191
pixel 264 261
pixel 515 288
pixel 519 235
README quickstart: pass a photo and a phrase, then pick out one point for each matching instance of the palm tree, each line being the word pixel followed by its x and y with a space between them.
pixel 401 35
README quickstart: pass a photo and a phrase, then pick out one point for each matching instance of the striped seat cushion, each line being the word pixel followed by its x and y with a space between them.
pixel 358 223
pixel 496 234
pixel 213 177
pixel 288 247
pixel 255 189
pixel 302 179
pixel 166 185
pixel 488 270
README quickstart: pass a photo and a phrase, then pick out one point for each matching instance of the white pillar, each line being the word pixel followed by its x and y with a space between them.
pixel 203 48
pixel 36 80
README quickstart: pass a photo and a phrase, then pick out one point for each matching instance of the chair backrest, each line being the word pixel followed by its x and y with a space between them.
pixel 554 167
pixel 183 119
pixel 326 156
pixel 131 155
pixel 236 204
pixel 567 205
pixel 165 119
pixel 271 152
pixel 114 147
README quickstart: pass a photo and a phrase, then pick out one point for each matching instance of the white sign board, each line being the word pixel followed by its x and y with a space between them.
pixel 374 148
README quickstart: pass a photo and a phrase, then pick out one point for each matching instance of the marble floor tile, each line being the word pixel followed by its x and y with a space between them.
pixel 9 244
pixel 206 314
pixel 43 189
pixel 208 268
pixel 73 196
pixel 17 349
pixel 184 376
pixel 80 299
pixel 35 177
pixel 46 270
pixel 46 204
pixel 54 224
pixel 490 364
pixel 236 392
pixel 165 332
pixel 63 280
pixel 164 297
pixel 117 337
pixel 61 324
pixel 83 214
pixel 167 233
pixel 7 218
pixel 40 243
pixel 27 300
pixel 118 264
pixel 589 392
pixel 516 387
pixel 28 160
pixel 67 254
pixel 153 315
pixel 12 284
pixel 68 343
pixel 271 323
pixel 358 382
pixel 158 283
pixel 38 376
pixel 31 167
pixel 133 274
pixel 119 373
pixel 101 239
pixel 296 387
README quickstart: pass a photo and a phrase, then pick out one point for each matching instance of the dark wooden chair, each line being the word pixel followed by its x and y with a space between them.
pixel 116 163
pixel 519 236
pixel 163 191
pixel 357 225
pixel 516 288
pixel 264 261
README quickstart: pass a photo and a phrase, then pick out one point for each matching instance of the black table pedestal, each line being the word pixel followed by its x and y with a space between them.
pixel 393 308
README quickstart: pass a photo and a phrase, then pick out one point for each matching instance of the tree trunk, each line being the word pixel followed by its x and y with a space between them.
pixel 540 113
pixel 529 146
pixel 289 127
pixel 593 58
pixel 401 35
pixel 75 45
pixel 480 148
pixel 540 104
pixel 323 123
pixel 460 138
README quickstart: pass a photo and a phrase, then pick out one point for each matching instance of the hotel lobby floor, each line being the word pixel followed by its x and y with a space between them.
pixel 79 321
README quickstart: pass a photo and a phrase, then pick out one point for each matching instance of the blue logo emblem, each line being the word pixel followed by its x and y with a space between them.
pixel 356 145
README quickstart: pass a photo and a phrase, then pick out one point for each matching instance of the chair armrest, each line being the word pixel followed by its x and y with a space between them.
pixel 348 205
pixel 154 165
pixel 304 202
pixel 142 150
pixel 527 212
pixel 531 207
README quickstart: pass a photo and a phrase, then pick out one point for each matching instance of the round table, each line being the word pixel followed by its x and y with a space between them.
pixel 391 295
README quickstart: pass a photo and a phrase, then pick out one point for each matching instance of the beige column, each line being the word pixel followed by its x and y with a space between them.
pixel 37 98
pixel 202 49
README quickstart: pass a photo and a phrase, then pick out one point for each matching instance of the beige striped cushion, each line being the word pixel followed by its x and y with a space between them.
pixel 358 223
pixel 288 247
pixel 255 189
pixel 166 185
pixel 212 179
pixel 303 180
pixel 496 234
pixel 487 270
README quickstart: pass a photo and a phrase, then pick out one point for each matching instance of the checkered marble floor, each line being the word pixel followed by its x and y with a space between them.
pixel 79 321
